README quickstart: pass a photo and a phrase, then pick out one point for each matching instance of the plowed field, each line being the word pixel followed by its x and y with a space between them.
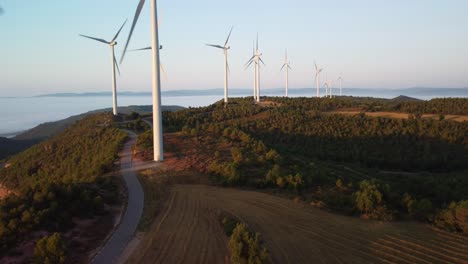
pixel 187 231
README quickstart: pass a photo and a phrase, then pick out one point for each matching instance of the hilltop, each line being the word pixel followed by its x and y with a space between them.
pixel 26 139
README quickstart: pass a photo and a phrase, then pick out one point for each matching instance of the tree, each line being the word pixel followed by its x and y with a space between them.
pixel 368 197
pixel 246 247
pixel 50 250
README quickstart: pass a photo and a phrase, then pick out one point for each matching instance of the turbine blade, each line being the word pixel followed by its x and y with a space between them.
pixel 118 32
pixel 316 67
pixel 146 48
pixel 250 60
pixel 228 68
pixel 216 46
pixel 248 64
pixel 261 61
pixel 97 39
pixel 289 67
pixel 135 20
pixel 163 71
pixel 116 65
pixel 282 67
pixel 227 40
pixel 257 40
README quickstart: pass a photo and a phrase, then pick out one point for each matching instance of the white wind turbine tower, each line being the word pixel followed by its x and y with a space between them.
pixel 286 64
pixel 317 78
pixel 341 85
pixel 255 74
pixel 111 43
pixel 157 115
pixel 326 88
pixel 225 49
pixel 256 58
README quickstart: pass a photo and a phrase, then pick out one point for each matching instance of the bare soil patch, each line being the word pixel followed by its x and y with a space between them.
pixel 458 118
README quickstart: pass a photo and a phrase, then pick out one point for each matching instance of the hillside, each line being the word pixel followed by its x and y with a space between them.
pixel 58 186
pixel 9 146
pixel 310 181
pixel 50 129
pixel 415 167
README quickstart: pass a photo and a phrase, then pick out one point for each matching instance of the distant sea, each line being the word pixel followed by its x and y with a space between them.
pixel 21 113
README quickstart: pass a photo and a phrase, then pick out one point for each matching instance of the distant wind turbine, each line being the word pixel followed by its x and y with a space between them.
pixel 317 78
pixel 111 43
pixel 157 114
pixel 256 58
pixel 225 49
pixel 286 64
pixel 330 92
pixel 326 88
pixel 341 85
pixel 160 64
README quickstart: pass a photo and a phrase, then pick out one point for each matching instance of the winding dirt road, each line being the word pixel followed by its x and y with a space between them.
pixel 113 248
pixel 187 231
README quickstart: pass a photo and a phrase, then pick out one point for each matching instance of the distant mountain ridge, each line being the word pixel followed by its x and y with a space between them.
pixel 415 91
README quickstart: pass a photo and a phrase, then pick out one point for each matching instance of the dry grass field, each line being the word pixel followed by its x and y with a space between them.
pixel 187 230
pixel 458 118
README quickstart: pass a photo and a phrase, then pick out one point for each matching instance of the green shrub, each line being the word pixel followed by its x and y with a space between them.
pixel 50 250
pixel 246 247
pixel 368 198
pixel 454 218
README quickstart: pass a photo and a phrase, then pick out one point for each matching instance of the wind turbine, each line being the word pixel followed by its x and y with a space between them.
pixel 225 49
pixel 111 43
pixel 341 85
pixel 286 64
pixel 257 59
pixel 160 64
pixel 330 92
pixel 157 114
pixel 326 88
pixel 317 78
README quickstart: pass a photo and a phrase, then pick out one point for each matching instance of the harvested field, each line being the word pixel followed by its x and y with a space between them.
pixel 187 230
pixel 458 118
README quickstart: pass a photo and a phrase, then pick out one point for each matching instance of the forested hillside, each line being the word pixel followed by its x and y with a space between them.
pixel 59 179
pixel 378 167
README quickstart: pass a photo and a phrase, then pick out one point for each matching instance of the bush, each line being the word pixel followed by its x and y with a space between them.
pixel 419 209
pixel 50 250
pixel 368 197
pixel 246 247
pixel 454 218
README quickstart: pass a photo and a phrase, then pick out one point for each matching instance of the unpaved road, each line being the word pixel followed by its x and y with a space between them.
pixel 187 231
pixel 129 222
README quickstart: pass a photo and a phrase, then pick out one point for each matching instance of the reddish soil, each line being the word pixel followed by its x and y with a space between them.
pixel 458 118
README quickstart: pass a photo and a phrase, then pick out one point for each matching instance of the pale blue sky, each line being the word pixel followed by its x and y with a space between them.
pixel 374 43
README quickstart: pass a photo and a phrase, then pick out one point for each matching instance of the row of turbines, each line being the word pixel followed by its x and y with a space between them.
pixel 255 60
